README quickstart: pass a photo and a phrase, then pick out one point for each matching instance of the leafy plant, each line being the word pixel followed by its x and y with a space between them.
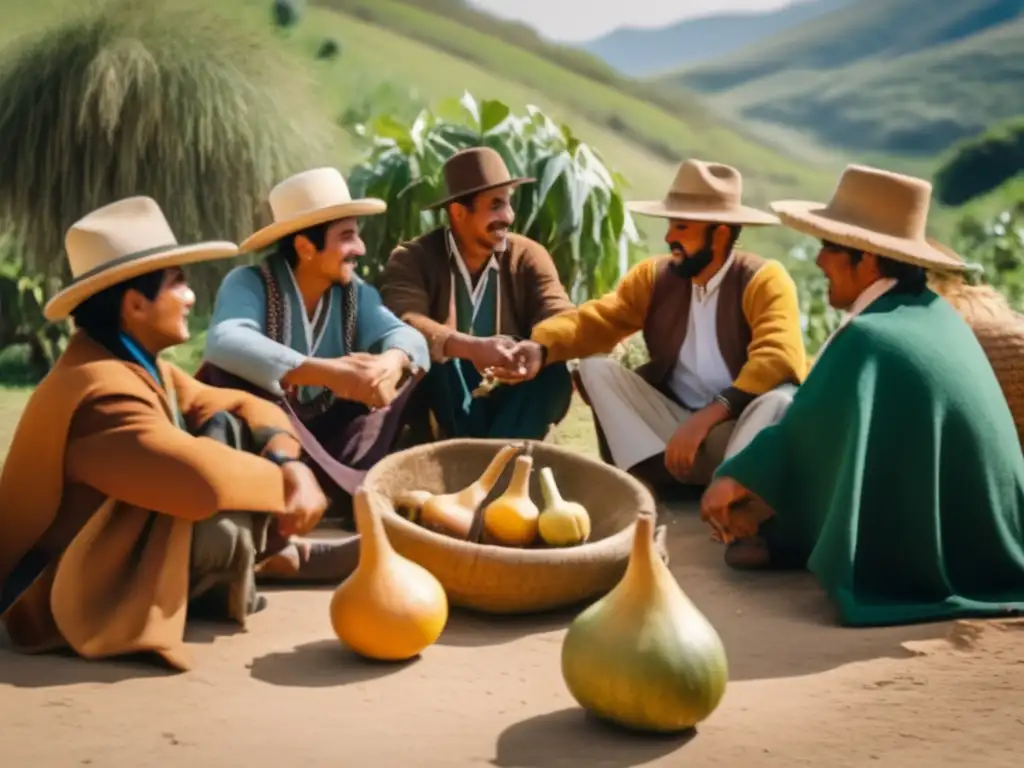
pixel 22 298
pixel 169 98
pixel 997 246
pixel 575 209
pixel 817 317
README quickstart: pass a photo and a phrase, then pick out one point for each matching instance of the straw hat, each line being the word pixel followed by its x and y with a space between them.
pixel 876 211
pixel 705 192
pixel 120 241
pixel 309 198
pixel 475 170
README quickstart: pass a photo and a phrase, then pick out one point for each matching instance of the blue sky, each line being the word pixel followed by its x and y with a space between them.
pixel 576 20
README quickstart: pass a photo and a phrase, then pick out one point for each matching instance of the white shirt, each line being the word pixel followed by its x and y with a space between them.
pixel 476 293
pixel 701 372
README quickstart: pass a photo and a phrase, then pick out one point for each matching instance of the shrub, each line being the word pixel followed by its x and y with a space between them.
pixel 286 13
pixel 160 97
pixel 576 208
pixel 329 49
pixel 981 164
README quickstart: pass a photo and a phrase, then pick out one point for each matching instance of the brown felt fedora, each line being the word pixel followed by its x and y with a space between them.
pixel 475 170
pixel 878 211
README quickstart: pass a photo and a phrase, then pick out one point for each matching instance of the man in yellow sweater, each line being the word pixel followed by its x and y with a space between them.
pixel 722 328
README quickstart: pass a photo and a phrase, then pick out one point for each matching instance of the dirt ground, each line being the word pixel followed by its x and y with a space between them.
pixel 285 693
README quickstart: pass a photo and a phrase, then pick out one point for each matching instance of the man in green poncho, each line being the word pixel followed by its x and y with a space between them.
pixel 896 476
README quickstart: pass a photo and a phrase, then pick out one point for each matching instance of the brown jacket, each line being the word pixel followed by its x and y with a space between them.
pixel 98 429
pixel 417 288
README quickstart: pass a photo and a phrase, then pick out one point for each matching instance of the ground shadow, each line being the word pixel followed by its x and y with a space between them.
pixel 323 664
pixel 469 629
pixel 571 737
pixel 773 624
pixel 62 668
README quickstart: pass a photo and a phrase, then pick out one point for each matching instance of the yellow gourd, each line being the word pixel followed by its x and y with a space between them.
pixel 561 523
pixel 389 608
pixel 644 656
pixel 511 519
pixel 452 513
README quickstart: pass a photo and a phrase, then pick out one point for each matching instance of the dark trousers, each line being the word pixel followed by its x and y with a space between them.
pixel 352 436
pixel 510 412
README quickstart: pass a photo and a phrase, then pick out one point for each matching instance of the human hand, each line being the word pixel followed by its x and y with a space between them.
pixel 528 361
pixel 304 500
pixel 681 451
pixel 715 504
pixel 491 353
pixel 368 379
pixel 385 371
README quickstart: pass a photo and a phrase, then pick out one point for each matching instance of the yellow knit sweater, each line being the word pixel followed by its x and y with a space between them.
pixel 776 353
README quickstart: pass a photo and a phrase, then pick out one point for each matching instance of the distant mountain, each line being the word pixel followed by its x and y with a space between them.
pixel 648 52
pixel 902 76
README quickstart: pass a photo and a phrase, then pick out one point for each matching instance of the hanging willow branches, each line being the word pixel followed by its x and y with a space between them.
pixel 169 98
pixel 575 209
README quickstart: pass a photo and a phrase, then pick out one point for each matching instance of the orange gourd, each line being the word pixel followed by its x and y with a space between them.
pixel 511 519
pixel 389 608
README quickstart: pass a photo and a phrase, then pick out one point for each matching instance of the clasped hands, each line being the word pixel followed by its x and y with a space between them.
pixel 365 378
pixel 505 359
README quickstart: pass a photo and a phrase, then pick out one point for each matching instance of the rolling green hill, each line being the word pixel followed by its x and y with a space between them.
pixel 644 52
pixel 908 77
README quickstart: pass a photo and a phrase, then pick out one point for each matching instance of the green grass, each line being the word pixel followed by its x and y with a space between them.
pixel 899 76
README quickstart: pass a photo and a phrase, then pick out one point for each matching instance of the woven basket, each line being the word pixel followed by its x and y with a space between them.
pixel 496 579
pixel 1003 342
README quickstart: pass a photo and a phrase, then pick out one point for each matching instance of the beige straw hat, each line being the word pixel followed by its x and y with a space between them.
pixel 705 192
pixel 877 211
pixel 306 199
pixel 120 241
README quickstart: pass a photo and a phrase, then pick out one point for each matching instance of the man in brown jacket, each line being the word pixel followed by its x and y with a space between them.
pixel 131 490
pixel 473 289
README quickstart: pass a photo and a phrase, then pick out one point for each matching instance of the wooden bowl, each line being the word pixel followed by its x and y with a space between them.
pixel 498 579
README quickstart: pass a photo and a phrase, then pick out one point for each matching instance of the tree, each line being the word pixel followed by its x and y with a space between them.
pixel 576 208
pixel 979 165
pixel 160 97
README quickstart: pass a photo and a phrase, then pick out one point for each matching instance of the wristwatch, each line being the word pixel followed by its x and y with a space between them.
pixel 280 458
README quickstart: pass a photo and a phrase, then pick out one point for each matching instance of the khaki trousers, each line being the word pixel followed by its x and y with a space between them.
pixel 638 421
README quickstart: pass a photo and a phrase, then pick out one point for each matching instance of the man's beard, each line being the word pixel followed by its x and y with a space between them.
pixel 689 267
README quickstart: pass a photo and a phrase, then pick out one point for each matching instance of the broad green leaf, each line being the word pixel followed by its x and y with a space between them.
pixel 492 114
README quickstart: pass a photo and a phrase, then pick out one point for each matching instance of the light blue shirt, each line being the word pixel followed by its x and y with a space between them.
pixel 237 340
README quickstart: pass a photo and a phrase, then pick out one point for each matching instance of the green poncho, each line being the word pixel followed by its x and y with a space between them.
pixel 897 476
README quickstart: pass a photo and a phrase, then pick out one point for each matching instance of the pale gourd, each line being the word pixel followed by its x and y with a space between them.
pixel 453 513
pixel 561 523
pixel 511 519
pixel 644 656
pixel 411 502
pixel 389 608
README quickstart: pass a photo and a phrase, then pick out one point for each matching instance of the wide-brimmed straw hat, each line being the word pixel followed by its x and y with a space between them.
pixel 475 170
pixel 309 198
pixel 120 241
pixel 701 191
pixel 877 211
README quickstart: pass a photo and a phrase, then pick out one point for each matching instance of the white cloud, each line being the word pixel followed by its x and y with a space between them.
pixel 577 20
